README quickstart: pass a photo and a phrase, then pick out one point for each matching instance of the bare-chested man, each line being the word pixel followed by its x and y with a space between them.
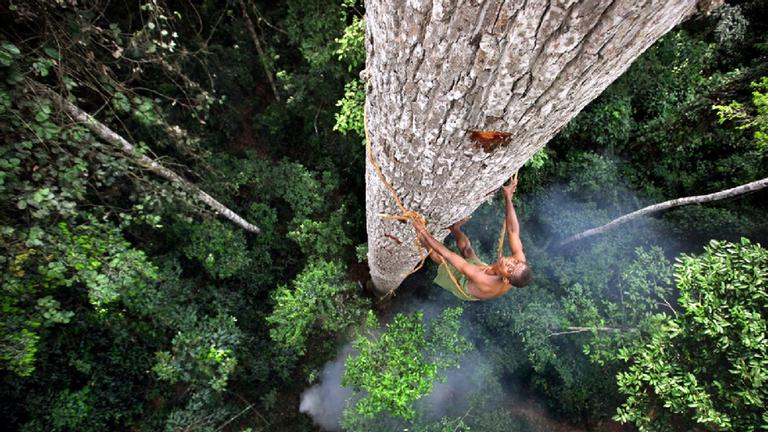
pixel 477 280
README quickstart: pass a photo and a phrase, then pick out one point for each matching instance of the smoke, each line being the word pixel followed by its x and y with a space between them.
pixel 450 397
pixel 325 402
pixel 453 397
pixel 547 216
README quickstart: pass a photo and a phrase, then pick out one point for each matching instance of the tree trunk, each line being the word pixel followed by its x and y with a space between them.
pixel 439 69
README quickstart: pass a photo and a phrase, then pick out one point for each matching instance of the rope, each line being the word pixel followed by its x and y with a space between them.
pixel 405 213
pixel 411 215
pixel 500 247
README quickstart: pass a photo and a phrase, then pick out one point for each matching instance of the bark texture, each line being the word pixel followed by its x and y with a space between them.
pixel 104 132
pixel 698 199
pixel 438 69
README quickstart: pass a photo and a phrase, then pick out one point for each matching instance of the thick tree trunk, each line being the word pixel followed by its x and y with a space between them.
pixel 438 69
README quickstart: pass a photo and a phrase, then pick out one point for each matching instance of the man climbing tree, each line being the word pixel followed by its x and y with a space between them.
pixel 438 74
pixel 467 277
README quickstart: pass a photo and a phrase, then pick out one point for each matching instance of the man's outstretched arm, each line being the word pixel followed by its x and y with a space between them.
pixel 513 226
pixel 430 242
pixel 471 271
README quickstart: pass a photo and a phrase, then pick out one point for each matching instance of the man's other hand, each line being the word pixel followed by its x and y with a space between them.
pixel 509 189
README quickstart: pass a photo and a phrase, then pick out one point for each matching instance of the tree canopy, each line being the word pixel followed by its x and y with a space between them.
pixel 128 303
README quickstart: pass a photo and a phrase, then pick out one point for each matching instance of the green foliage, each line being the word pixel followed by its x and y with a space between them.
pixel 361 252
pixel 72 410
pixel 98 257
pixel 707 365
pixel 400 365
pixel 19 348
pixel 93 256
pixel 203 355
pixel 118 309
pixel 323 239
pixel 350 117
pixel 8 53
pixel 143 110
pixel 319 298
pixel 316 37
pixel 645 301
pixel 351 48
pixel 608 125
pixel 731 28
pixel 205 412
pixel 736 111
pixel 219 247
pixel 297 186
pixel 538 160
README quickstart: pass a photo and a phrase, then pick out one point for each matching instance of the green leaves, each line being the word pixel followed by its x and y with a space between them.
pixel 400 365
pixel 98 256
pixel 323 239
pixel 352 43
pixel 219 247
pixel 51 312
pixel 319 298
pixel 737 112
pixel 8 53
pixel 42 66
pixel 708 365
pixel 350 116
pixel 120 102
pixel 143 110
pixel 73 410
pixel 203 355
pixel 92 260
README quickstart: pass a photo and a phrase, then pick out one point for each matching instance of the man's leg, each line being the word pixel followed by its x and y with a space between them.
pixel 462 241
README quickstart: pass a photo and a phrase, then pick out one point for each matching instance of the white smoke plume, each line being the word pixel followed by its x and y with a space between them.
pixel 325 402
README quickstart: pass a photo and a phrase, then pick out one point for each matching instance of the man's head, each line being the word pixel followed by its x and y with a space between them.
pixel 515 272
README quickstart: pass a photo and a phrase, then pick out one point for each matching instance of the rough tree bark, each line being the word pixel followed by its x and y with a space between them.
pixel 438 69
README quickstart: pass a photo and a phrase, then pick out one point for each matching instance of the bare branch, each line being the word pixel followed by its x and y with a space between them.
pixel 668 306
pixel 698 199
pixel 234 418
pixel 102 131
pixel 259 49
pixel 573 330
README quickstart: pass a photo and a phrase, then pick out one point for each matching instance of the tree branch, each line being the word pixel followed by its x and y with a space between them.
pixel 698 199
pixel 104 132
pixel 572 330
pixel 259 49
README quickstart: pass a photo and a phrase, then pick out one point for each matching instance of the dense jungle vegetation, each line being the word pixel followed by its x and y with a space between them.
pixel 129 305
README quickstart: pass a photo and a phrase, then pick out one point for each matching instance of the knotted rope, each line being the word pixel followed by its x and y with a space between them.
pixel 406 214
